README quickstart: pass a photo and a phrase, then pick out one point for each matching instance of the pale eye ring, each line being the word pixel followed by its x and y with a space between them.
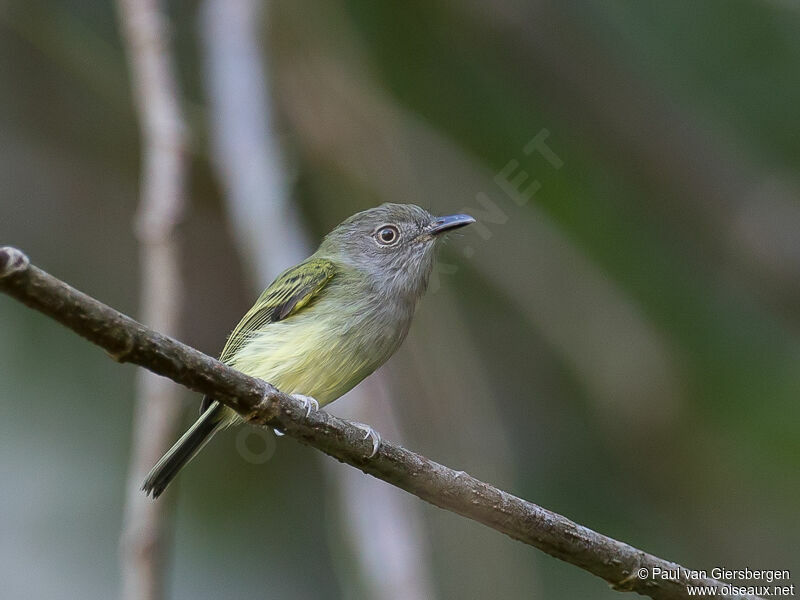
pixel 388 235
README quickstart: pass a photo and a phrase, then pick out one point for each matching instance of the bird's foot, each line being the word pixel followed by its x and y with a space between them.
pixel 370 433
pixel 308 402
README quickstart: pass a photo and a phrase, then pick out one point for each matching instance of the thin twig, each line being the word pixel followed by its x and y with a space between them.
pixel 157 412
pixel 128 341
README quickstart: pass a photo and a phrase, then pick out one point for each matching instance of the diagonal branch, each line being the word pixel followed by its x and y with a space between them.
pixel 260 403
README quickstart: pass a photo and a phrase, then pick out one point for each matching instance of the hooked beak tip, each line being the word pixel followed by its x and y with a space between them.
pixel 449 223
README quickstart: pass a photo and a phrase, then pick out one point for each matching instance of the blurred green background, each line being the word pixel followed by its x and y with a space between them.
pixel 620 346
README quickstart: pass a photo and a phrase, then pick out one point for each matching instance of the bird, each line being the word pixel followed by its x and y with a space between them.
pixel 327 323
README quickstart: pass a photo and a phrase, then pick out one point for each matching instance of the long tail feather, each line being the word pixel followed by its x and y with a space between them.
pixel 184 450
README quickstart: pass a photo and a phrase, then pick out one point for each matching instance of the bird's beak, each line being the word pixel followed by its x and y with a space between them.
pixel 448 223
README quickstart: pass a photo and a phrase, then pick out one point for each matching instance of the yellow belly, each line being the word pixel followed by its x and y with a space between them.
pixel 304 355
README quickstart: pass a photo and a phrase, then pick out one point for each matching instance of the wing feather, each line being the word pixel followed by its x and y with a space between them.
pixel 288 294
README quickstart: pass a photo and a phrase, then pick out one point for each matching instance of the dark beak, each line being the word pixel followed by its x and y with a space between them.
pixel 442 224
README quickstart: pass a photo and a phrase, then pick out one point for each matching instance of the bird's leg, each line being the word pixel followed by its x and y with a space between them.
pixel 369 433
pixel 309 403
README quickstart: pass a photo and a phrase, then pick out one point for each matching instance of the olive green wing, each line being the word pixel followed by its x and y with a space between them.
pixel 289 293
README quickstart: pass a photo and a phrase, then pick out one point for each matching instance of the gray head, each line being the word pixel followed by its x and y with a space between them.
pixel 393 243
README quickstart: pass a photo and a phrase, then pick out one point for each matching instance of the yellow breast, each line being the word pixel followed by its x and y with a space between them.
pixel 305 355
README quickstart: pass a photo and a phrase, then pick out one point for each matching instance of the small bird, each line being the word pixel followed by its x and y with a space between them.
pixel 324 325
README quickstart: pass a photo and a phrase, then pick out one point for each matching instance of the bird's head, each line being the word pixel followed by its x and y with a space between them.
pixel 393 243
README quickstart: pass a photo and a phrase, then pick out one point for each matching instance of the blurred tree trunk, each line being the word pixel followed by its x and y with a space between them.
pixel 158 411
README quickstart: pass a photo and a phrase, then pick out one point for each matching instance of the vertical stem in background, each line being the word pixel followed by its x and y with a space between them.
pixel 266 225
pixel 383 525
pixel 382 529
pixel 157 412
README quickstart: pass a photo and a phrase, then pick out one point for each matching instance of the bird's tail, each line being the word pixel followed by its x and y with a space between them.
pixel 185 449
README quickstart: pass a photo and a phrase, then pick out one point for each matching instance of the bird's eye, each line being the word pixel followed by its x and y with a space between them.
pixel 387 235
